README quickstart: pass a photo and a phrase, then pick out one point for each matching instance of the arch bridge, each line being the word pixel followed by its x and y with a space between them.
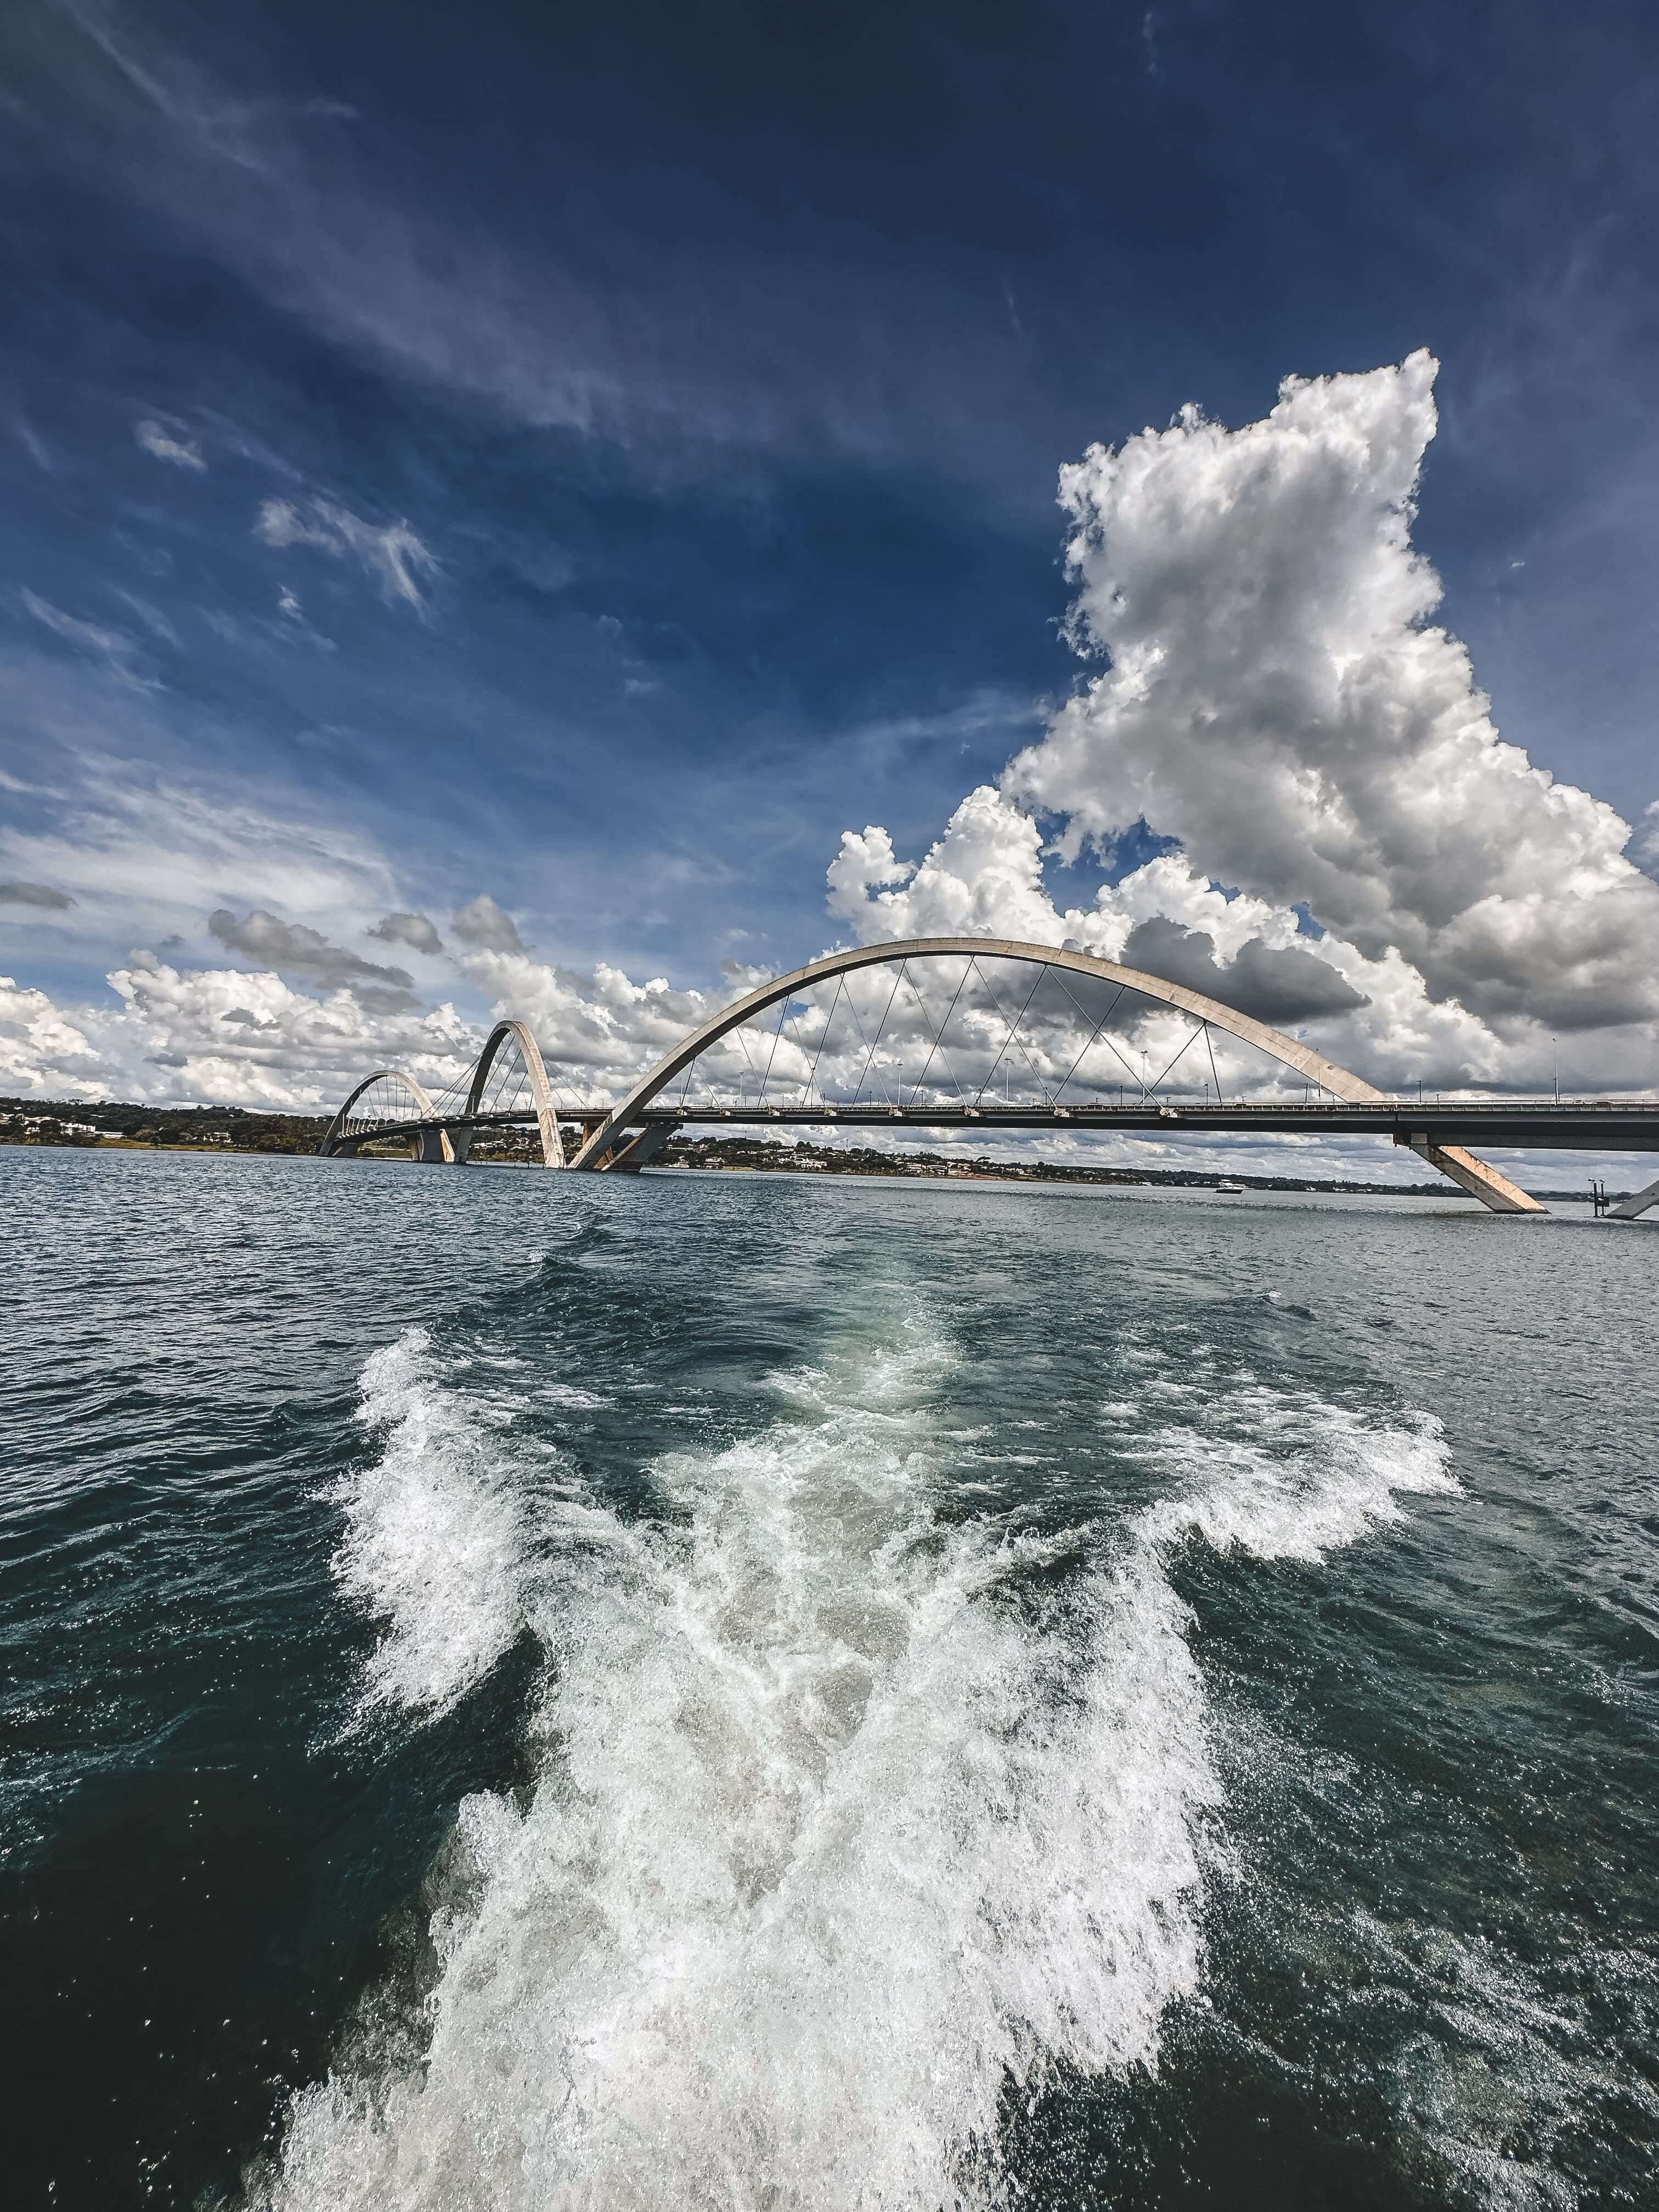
pixel 964 1035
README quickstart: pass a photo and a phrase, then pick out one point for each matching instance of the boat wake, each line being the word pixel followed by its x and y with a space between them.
pixel 850 1818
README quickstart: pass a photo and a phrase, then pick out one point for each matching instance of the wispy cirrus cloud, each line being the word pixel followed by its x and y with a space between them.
pixel 391 554
pixel 116 650
pixel 160 444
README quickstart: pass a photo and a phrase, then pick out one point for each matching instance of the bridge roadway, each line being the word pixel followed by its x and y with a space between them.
pixel 1565 1125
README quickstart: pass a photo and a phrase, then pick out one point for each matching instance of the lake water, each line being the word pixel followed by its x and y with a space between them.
pixel 526 1691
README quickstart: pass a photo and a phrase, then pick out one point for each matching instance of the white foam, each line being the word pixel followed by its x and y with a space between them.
pixel 434 1545
pixel 840 1828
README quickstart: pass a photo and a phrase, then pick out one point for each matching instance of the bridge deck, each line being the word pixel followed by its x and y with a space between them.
pixel 1585 1125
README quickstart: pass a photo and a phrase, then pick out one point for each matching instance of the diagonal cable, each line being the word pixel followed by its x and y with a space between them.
pixel 938 1042
pixel 772 1056
pixel 744 1043
pixel 1008 1040
pixel 1191 1040
pixel 1088 1048
pixel 1210 1042
pixel 852 1009
pixel 886 1011
pixel 812 1072
pixel 1111 1048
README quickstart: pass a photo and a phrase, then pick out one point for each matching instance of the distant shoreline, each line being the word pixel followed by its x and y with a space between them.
pixel 215 1131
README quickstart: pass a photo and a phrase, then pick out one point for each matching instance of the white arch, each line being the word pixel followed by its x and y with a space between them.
pixel 541 1091
pixel 417 1091
pixel 1494 1190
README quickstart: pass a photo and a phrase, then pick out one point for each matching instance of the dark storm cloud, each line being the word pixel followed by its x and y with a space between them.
pixel 1280 986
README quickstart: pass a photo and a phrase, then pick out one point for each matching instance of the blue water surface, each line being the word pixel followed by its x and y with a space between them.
pixel 526 1689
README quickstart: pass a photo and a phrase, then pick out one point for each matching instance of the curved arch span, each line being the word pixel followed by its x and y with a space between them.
pixel 541 1091
pixel 336 1131
pixel 1483 1181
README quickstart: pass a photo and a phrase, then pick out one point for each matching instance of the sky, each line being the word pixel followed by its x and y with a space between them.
pixel 564 511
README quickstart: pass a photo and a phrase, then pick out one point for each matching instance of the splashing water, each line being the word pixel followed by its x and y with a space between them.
pixel 848 1818
pixel 434 1543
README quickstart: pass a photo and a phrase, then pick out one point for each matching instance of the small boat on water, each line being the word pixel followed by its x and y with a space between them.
pixel 1229 1190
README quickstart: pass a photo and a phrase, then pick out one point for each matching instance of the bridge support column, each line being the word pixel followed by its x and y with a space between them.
pixel 433 1145
pixel 1479 1179
pixel 1637 1203
pixel 547 1127
pixel 630 1157
pixel 460 1144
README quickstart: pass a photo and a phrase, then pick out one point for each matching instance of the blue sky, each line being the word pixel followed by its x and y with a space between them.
pixel 594 459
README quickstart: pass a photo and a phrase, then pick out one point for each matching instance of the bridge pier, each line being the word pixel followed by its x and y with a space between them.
pixel 630 1157
pixel 433 1145
pixel 1637 1203
pixel 1479 1177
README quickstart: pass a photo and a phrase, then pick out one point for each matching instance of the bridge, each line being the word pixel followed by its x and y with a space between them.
pixel 962 1035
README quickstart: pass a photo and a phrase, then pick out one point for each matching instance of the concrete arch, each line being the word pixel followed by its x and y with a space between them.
pixel 335 1134
pixel 541 1091
pixel 1485 1182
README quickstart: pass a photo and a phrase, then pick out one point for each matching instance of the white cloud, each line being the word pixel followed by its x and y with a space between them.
pixel 598 1032
pixel 41 1048
pixel 217 1034
pixel 390 553
pixel 1278 700
pixel 182 452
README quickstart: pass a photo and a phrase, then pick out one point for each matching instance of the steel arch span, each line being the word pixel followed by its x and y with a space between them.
pixel 431 1142
pixel 515 1032
pixel 600 1148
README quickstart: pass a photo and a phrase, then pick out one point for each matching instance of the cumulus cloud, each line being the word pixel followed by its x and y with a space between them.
pixel 40 894
pixel 1277 699
pixel 304 951
pixel 42 1050
pixel 486 926
pixel 221 1034
pixel 596 1032
pixel 255 1039
pixel 1277 702
pixel 391 554
pixel 182 452
pixel 414 930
